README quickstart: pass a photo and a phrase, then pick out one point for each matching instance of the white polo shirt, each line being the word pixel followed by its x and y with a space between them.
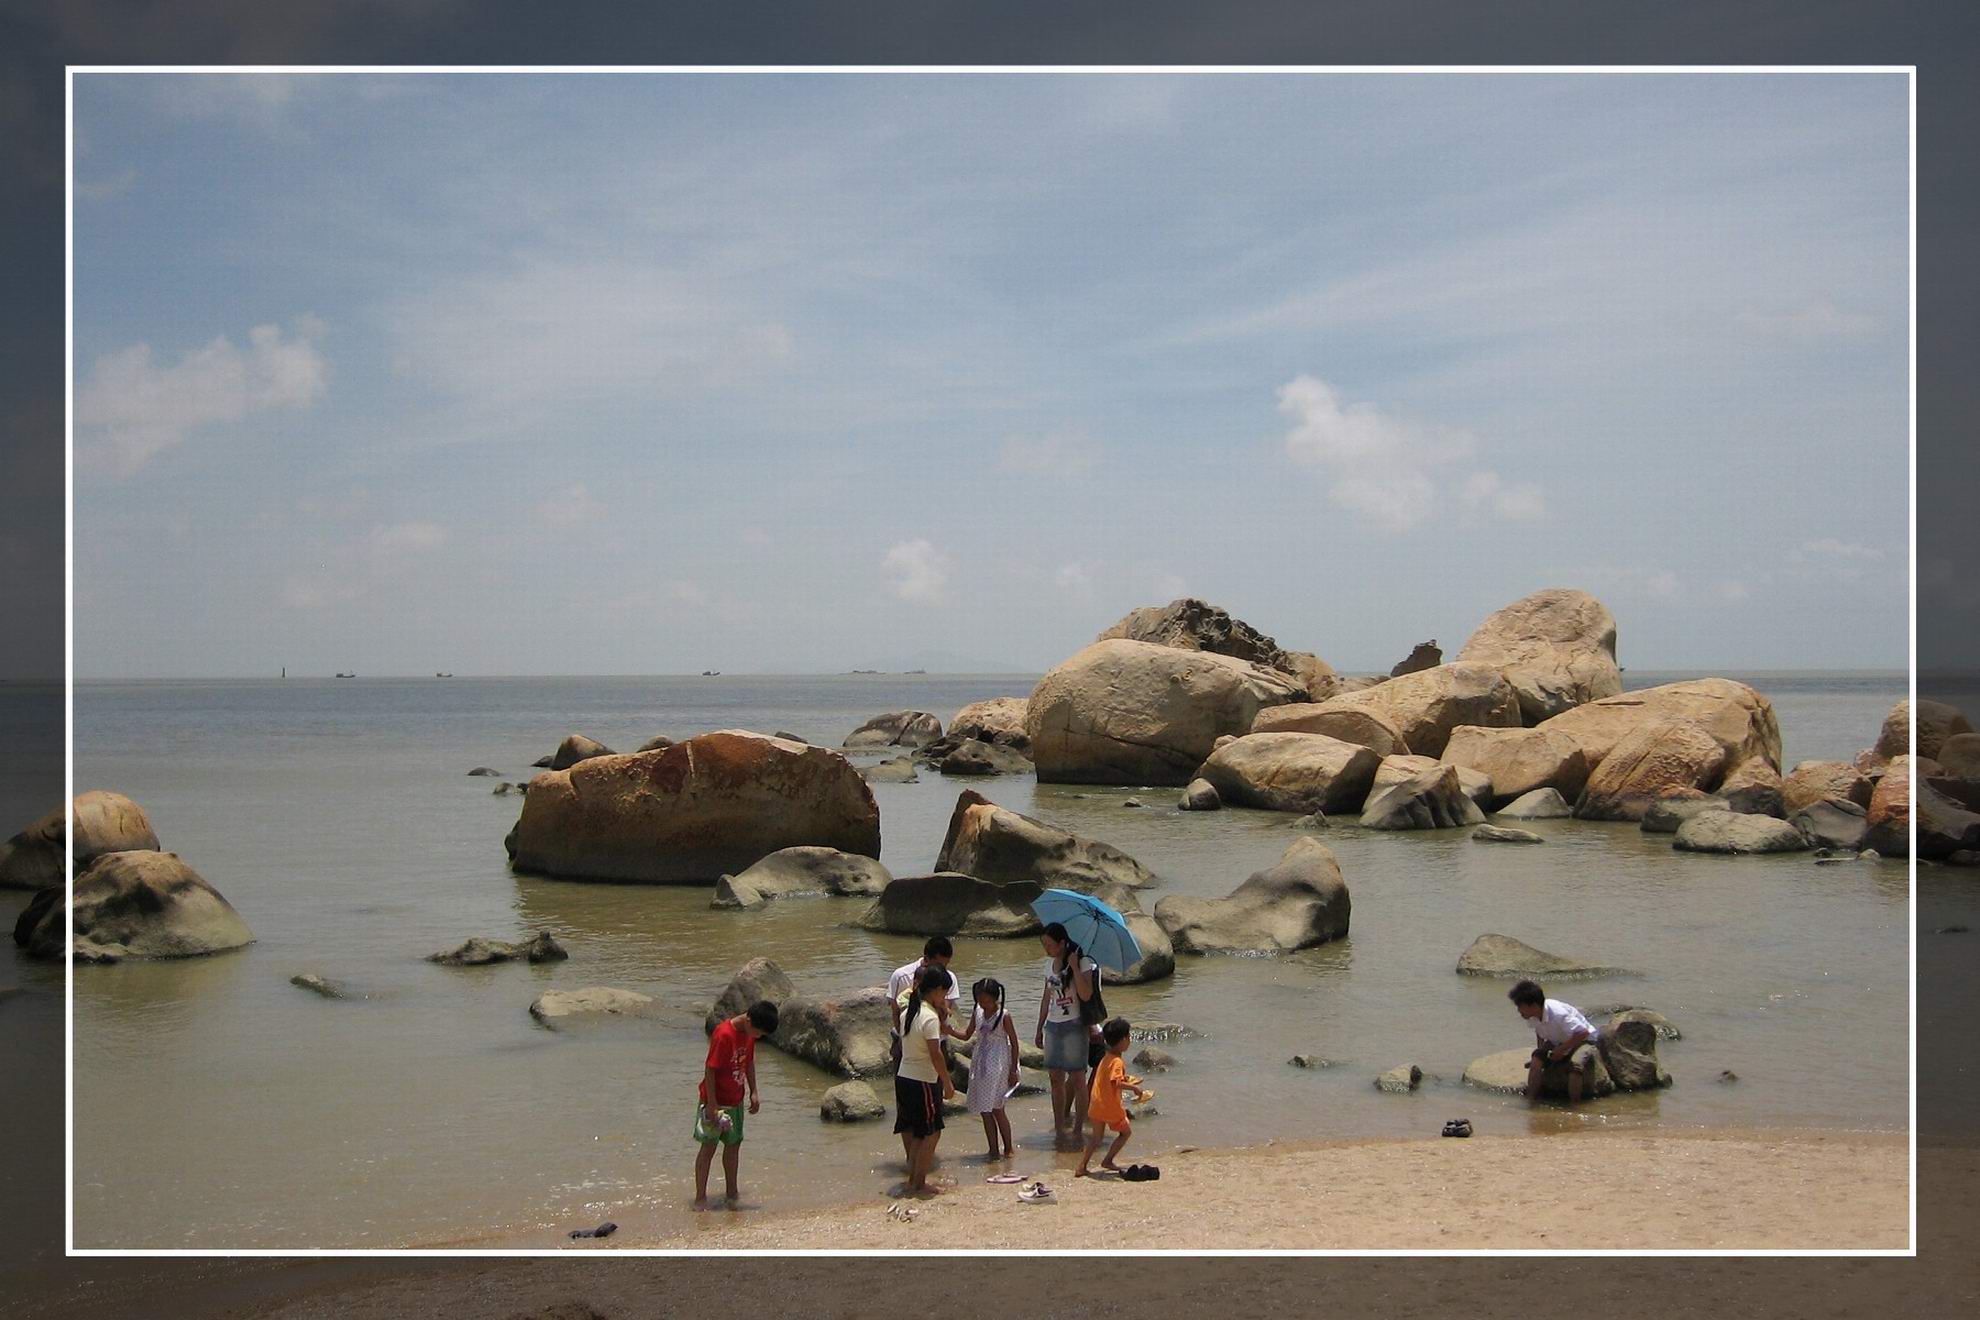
pixel 902 981
pixel 1559 1021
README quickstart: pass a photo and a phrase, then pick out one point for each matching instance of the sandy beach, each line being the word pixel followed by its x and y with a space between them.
pixel 1597 1190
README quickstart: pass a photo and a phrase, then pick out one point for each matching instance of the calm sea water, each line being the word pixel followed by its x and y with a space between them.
pixel 217 1106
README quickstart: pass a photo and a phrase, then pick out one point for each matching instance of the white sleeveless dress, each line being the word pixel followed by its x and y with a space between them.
pixel 989 1065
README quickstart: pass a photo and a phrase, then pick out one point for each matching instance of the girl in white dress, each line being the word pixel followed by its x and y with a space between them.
pixel 993 1065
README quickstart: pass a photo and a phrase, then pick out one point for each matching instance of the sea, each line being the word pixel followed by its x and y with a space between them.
pixel 217 1106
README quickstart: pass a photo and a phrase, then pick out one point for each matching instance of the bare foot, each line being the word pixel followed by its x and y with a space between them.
pixel 1081 1172
pixel 700 1203
pixel 1110 1166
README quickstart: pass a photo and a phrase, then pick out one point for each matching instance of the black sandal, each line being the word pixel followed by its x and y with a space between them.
pixel 1458 1127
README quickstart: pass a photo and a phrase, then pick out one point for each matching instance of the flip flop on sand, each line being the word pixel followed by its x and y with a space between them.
pixel 1141 1173
pixel 1005 1178
pixel 1033 1193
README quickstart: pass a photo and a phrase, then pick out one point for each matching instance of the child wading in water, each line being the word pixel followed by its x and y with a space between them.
pixel 728 1073
pixel 1104 1107
pixel 993 1065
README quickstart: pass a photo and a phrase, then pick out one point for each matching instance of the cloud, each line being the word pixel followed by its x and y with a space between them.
pixel 1817 320
pixel 1663 584
pixel 314 591
pixel 569 509
pixel 131 409
pixel 917 571
pixel 1487 492
pixel 1058 454
pixel 1830 548
pixel 1378 465
pixel 401 538
pixel 1076 579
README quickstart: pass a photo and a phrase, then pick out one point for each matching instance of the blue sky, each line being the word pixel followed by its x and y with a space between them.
pixel 657 373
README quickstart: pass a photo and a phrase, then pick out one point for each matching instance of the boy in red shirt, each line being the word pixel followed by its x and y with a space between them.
pixel 718 1117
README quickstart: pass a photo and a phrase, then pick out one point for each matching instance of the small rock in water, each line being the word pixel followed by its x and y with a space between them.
pixel 318 985
pixel 1312 821
pixel 1162 1031
pixel 1310 1061
pixel 1869 855
pixel 1728 1076
pixel 1400 1080
pixel 1950 930
pixel 484 770
pixel 1132 802
pixel 1504 834
pixel 1155 1060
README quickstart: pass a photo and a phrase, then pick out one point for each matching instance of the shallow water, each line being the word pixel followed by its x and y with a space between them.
pixel 218 1106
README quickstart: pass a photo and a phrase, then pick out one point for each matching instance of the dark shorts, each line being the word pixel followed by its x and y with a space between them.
pixel 1095 1051
pixel 917 1107
pixel 1581 1060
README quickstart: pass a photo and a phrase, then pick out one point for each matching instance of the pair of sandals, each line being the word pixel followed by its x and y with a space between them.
pixel 1458 1127
pixel 1033 1193
pixel 1140 1173
pixel 604 1230
pixel 902 1211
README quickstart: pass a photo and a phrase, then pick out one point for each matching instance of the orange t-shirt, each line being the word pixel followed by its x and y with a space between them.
pixel 1105 1101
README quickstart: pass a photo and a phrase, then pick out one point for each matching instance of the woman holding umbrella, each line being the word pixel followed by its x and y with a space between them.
pixel 1072 982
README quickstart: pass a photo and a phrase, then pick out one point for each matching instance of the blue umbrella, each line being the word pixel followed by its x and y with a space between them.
pixel 1093 926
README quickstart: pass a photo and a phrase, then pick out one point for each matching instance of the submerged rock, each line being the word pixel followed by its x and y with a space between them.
pixel 900 770
pixel 1737 832
pixel 1201 795
pixel 1626 1060
pixel 484 771
pixel 1300 901
pixel 318 985
pixel 948 903
pixel 1505 1072
pixel 1504 956
pixel 1832 824
pixel 757 979
pixel 999 721
pixel 1400 1080
pixel 973 756
pixel 850 1035
pixel 997 844
pixel 576 748
pixel 132 904
pixel 850 1102
pixel 802 870
pixel 477 952
pixel 1815 781
pixel 1126 712
pixel 555 1008
pixel 710 806
pixel 1502 834
pixel 1158 954
pixel 1674 806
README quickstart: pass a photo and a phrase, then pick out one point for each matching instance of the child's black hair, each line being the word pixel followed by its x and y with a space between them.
pixel 938 946
pixel 929 978
pixel 1527 992
pixel 989 985
pixel 1115 1032
pixel 763 1016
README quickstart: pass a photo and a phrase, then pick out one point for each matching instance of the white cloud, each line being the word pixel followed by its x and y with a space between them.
pixel 569 509
pixel 1488 492
pixel 917 571
pixel 1378 465
pixel 401 538
pixel 1076 579
pixel 1830 548
pixel 1817 320
pixel 1663 584
pixel 1057 454
pixel 132 410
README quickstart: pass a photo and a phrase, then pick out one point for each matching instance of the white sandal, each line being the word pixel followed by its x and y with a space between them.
pixel 1035 1192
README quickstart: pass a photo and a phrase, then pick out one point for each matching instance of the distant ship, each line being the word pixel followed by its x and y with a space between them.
pixel 711 673
pixel 343 675
pixel 438 674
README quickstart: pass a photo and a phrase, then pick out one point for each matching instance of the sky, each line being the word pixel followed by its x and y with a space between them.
pixel 616 374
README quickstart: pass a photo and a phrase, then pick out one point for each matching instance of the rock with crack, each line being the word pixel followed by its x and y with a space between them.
pixel 138 903
pixel 999 721
pixel 1426 707
pixel 803 870
pixel 1432 800
pixel 1540 804
pixel 1832 824
pixel 1736 832
pixel 950 903
pixel 105 823
pixel 596 1003
pixel 1652 758
pixel 1736 717
pixel 477 952
pixel 901 728
pixel 1365 726
pixel 1504 956
pixel 1300 901
pixel 1557 649
pixel 1297 772
pixel 999 845
pixel 1516 762
pixel 850 1102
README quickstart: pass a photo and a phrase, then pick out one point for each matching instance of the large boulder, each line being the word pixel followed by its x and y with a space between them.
pixel 1736 716
pixel 851 1035
pixel 132 904
pixel 999 720
pixel 948 903
pixel 1504 956
pixel 1432 800
pixel 1540 804
pixel 997 844
pixel 757 979
pixel 576 748
pixel 1189 624
pixel 594 1003
pixel 1628 1047
pixel 1365 726
pixel 1426 706
pixel 703 808
pixel 1199 795
pixel 1944 827
pixel 850 1102
pixel 1814 781
pixel 105 823
pixel 1126 712
pixel 1557 648
pixel 1518 761
pixel 1936 722
pixel 901 728
pixel 1300 772
pixel 802 870
pixel 1652 757
pixel 1312 673
pixel 1626 1060
pixel 1299 901
pixel 1755 788
pixel 900 770
pixel 1959 756
pixel 1737 832
pixel 1832 824
pixel 1401 769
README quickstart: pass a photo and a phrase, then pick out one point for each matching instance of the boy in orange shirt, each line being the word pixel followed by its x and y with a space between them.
pixel 1104 1106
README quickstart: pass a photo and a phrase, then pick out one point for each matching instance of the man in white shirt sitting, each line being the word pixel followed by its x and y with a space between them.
pixel 1564 1036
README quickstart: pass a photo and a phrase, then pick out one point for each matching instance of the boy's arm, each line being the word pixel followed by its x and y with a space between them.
pixel 710 1107
pixel 941 1067
pixel 1573 1043
pixel 749 1073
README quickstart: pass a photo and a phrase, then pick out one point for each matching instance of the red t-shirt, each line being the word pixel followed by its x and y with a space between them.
pixel 731 1049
